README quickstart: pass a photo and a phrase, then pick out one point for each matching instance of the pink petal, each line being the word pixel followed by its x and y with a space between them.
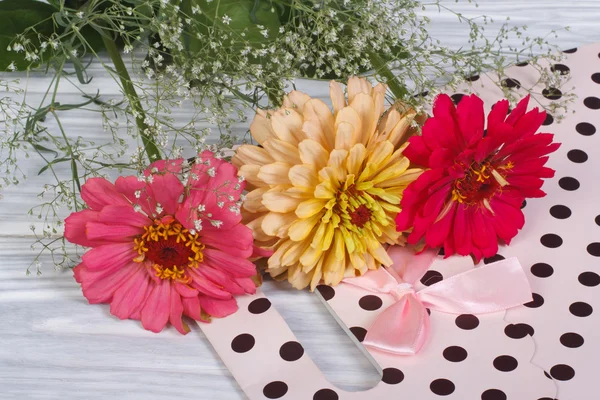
pixel 184 290
pixel 131 295
pixel 123 215
pixel 417 152
pixel 99 287
pixel 98 193
pixel 129 185
pixel 236 241
pixel 247 284
pixel 221 279
pixel 166 190
pixel 106 256
pixel 205 286
pixel 156 311
pixel 218 308
pixel 191 307
pixel 172 166
pixel 237 267
pixel 176 311
pixel 112 233
pixel 75 228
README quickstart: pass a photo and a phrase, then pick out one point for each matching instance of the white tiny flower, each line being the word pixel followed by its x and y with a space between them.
pixel 220 204
pixel 137 208
pixel 226 19
pixel 241 178
pixel 12 66
pixel 159 208
pixel 230 198
pixel 193 231
pixel 216 223
pixel 150 179
pixel 198 225
pixel 80 14
pixel 201 208
pixel 138 194
pixel 211 172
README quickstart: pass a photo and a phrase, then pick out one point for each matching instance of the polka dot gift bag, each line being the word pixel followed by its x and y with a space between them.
pixel 542 348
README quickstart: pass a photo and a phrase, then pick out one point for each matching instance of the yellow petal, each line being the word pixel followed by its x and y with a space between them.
pixel 316 110
pixel 250 174
pixel 388 122
pixel 310 258
pixel 338 245
pixel 260 128
pixel 312 153
pixel 402 180
pixel 249 154
pixel 381 256
pixel 300 229
pixel 275 173
pixel 337 96
pixel 274 262
pixel 298 278
pixel 364 106
pixel 287 124
pixel 282 151
pixel 391 171
pixel 379 99
pixel 313 130
pixel 345 136
pixel 292 255
pixel 356 86
pixel 355 159
pixel 277 224
pixel 296 100
pixel 280 202
pixel 253 202
pixel 400 133
pixel 303 176
pixel 324 190
pixel 337 163
pixel 317 275
pixel 256 226
pixel 310 207
pixel 350 116
pixel 334 269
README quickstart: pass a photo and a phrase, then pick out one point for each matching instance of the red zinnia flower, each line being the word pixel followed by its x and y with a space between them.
pixel 165 245
pixel 477 179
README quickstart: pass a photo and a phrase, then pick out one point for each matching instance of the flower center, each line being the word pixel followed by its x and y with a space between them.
pixel 170 248
pixel 360 216
pixel 480 183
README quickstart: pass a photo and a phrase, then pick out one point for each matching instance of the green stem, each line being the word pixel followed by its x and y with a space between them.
pixel 140 116
pixel 397 88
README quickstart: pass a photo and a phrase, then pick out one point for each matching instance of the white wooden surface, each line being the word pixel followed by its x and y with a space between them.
pixel 53 345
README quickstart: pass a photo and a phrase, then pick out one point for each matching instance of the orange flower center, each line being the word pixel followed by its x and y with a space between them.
pixel 480 183
pixel 170 248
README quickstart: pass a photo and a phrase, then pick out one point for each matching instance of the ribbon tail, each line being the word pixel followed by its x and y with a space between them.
pixel 491 288
pixel 401 329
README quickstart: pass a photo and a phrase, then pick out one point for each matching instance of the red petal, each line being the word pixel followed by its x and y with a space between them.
pixel 417 152
pixel 519 111
pixel 471 118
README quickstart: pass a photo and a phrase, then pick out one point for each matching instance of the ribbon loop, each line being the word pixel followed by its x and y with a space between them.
pixel 403 327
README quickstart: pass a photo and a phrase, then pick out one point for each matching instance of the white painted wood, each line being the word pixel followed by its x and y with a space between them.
pixel 53 345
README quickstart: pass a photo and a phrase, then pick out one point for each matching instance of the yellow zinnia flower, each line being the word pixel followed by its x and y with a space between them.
pixel 325 187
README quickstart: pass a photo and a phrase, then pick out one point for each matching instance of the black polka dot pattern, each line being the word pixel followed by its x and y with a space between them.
pixel 455 354
pixel 392 376
pixel 542 270
pixel 589 279
pixel 493 394
pixel 570 51
pixel 511 83
pixel 326 291
pixel 505 363
pixel 522 64
pixel 549 120
pixel 551 240
pixel 592 102
pixel 442 387
pixel 560 68
pixel 568 183
pixel 275 390
pixel 467 321
pixel 456 98
pixel 572 340
pixel 562 372
pixel 577 156
pixel 472 78
pixel 259 306
pixel 370 302
pixel 326 394
pixel 585 129
pixel 594 249
pixel 359 333
pixel 537 301
pixel 581 309
pixel 523 204
pixel 597 220
pixel 291 351
pixel 518 331
pixel 560 212
pixel 552 93
pixel 596 77
pixel 431 277
pixel 493 259
pixel 243 343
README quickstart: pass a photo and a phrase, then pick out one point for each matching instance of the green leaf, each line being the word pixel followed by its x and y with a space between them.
pixel 43 149
pixel 247 20
pixel 16 16
pixel 55 161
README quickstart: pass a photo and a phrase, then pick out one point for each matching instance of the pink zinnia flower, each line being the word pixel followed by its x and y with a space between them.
pixel 162 249
pixel 478 178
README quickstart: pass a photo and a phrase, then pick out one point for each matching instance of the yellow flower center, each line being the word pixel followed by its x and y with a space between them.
pixel 170 247
pixel 480 183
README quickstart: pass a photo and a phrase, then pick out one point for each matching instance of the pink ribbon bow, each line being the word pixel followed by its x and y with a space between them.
pixel 403 327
